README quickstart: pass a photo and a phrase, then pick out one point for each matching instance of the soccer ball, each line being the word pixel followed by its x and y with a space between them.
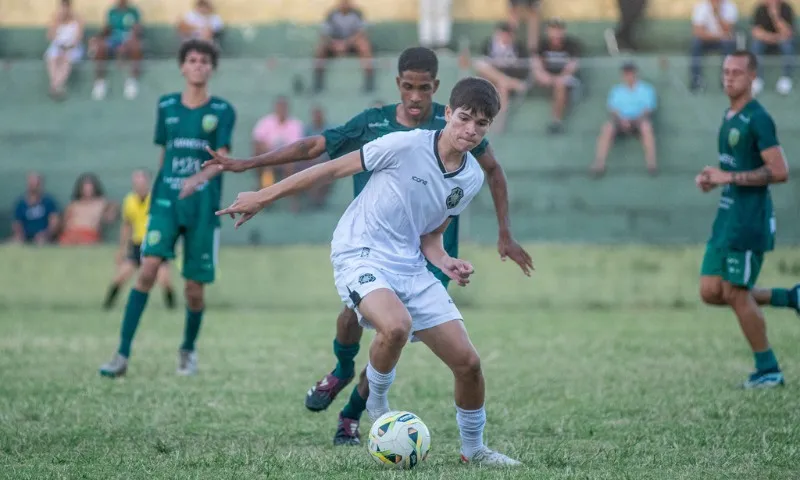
pixel 400 440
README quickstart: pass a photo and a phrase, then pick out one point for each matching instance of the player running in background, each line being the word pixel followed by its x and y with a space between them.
pixel 135 208
pixel 417 70
pixel 744 229
pixel 186 124
pixel 381 243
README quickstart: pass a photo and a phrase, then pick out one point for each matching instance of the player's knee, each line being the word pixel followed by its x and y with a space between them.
pixel 348 318
pixel 398 332
pixel 468 366
pixel 148 273
pixel 712 294
pixel 193 292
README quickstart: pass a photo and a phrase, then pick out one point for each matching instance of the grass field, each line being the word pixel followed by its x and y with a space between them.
pixel 604 365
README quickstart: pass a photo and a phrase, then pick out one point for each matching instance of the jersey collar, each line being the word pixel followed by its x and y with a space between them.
pixel 439 159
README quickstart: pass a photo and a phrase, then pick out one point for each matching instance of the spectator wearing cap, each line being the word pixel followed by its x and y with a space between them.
pixel 713 28
pixel 505 63
pixel 630 105
pixel 555 66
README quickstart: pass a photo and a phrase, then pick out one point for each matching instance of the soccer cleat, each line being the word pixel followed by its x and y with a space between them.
pixel 187 363
pixel 117 367
pixel 347 432
pixel 322 394
pixel 487 457
pixel 764 380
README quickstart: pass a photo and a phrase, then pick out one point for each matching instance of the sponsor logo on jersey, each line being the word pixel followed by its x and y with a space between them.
pixel 172 120
pixel 366 278
pixel 419 180
pixel 456 194
pixel 153 237
pixel 191 143
pixel 219 106
pixel 365 252
pixel 726 159
pixel 210 122
pixel 384 123
pixel 733 137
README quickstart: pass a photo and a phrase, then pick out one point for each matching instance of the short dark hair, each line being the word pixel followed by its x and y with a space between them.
pixel 476 95
pixel 77 190
pixel 418 59
pixel 752 60
pixel 200 46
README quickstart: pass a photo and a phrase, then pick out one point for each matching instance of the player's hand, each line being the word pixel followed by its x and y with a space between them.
pixel 458 270
pixel 248 204
pixel 703 183
pixel 223 163
pixel 507 247
pixel 716 176
pixel 190 184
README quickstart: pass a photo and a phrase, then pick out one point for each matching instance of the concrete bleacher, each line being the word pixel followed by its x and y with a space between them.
pixel 552 196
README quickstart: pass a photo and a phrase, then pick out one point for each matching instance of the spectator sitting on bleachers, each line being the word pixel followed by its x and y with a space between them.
pixel 86 214
pixel 66 48
pixel 773 29
pixel 121 38
pixel 630 105
pixel 274 131
pixel 505 63
pixel 35 214
pixel 201 23
pixel 556 66
pixel 344 33
pixel 713 28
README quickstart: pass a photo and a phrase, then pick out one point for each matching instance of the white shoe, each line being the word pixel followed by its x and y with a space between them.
pixel 758 86
pixel 99 90
pixel 187 363
pixel 131 89
pixel 784 86
pixel 488 457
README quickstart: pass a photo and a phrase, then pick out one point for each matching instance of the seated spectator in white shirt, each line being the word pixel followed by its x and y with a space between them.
pixel 713 28
pixel 630 105
pixel 66 48
pixel 201 23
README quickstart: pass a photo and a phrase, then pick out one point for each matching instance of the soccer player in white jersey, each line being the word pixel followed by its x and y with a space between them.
pixel 419 179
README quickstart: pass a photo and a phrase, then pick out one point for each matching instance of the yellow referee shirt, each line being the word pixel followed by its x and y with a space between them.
pixel 135 210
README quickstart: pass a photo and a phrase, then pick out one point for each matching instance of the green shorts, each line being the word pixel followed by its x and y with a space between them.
pixel 200 246
pixel 740 268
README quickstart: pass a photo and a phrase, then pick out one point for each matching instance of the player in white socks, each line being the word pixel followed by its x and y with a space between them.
pixel 419 179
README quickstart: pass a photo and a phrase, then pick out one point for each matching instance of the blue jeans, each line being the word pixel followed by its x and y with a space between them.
pixel 786 48
pixel 699 47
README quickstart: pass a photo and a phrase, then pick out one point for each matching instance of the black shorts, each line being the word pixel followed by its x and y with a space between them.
pixel 525 3
pixel 634 131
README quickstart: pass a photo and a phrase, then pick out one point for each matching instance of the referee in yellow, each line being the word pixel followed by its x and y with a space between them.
pixel 135 211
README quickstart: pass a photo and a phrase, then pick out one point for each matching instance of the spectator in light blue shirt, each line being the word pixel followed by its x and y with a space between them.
pixel 35 214
pixel 630 105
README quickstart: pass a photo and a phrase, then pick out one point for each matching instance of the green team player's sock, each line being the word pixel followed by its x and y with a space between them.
pixel 345 354
pixel 192 329
pixel 355 406
pixel 781 297
pixel 766 361
pixel 133 313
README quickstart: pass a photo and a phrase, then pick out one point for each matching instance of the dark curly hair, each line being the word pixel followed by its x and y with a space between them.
pixel 77 190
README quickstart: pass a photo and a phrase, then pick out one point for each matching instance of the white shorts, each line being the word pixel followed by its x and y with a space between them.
pixel 423 294
pixel 74 55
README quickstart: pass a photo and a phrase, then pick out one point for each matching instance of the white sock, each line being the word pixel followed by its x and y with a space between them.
pixel 470 425
pixel 379 384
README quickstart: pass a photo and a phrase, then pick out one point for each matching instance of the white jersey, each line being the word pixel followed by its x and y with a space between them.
pixel 408 195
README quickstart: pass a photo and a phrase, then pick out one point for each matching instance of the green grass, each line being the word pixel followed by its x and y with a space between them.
pixel 604 365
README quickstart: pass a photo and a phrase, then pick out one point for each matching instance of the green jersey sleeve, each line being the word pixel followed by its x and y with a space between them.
pixel 764 128
pixel 480 149
pixel 338 137
pixel 225 129
pixel 160 136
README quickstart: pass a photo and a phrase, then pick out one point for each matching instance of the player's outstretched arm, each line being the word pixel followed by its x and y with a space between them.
pixel 307 148
pixel 432 247
pixel 506 245
pixel 248 204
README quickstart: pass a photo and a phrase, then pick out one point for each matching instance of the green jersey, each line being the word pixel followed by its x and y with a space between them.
pixel 121 21
pixel 745 220
pixel 185 133
pixel 374 123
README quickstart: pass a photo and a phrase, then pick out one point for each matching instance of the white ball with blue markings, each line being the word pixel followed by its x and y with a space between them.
pixel 399 440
